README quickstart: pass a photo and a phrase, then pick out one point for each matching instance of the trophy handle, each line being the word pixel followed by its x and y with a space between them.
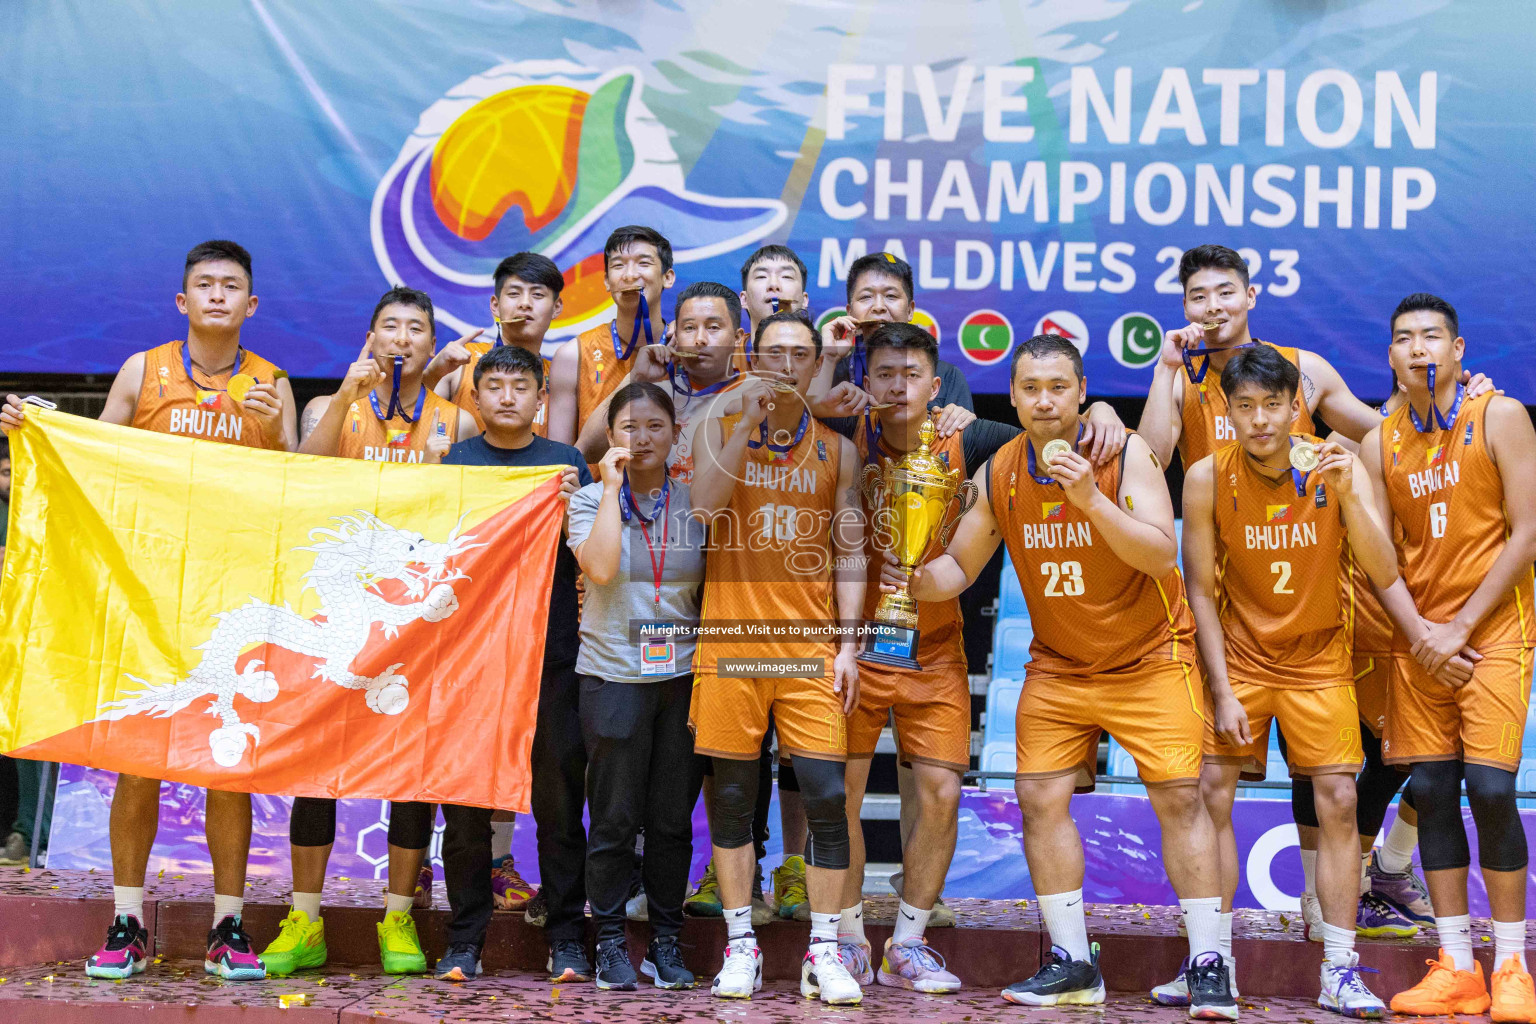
pixel 869 483
pixel 968 493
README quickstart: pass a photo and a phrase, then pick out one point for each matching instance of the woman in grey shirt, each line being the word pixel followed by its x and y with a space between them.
pixel 642 551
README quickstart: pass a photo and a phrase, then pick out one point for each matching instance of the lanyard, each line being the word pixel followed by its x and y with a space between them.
pixel 623 352
pixel 1205 367
pixel 1437 421
pixel 873 429
pixel 686 389
pixel 1034 469
pixel 394 399
pixel 186 362
pixel 747 348
pixel 663 506
pixel 762 431
pixel 858 362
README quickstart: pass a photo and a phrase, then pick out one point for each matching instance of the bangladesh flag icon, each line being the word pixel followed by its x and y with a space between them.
pixel 986 337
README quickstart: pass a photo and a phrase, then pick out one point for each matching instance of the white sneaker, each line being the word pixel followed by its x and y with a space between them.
pixel 742 973
pixel 638 908
pixel 1176 992
pixel 1344 991
pixel 823 976
pixel 1311 918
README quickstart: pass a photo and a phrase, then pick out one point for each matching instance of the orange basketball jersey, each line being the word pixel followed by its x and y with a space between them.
pixel 770 554
pixel 1448 498
pixel 693 414
pixel 941 640
pixel 464 395
pixel 1208 426
pixel 1091 612
pixel 599 371
pixel 1284 576
pixel 173 403
pixel 365 436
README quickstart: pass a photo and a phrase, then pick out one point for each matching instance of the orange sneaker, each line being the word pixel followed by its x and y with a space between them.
pixel 1514 996
pixel 1445 991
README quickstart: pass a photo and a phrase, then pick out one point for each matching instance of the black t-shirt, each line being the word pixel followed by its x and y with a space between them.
pixel 980 441
pixel 953 388
pixel 562 639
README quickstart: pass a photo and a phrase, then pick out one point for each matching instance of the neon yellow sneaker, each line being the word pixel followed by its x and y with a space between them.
pixel 789 890
pixel 399 948
pixel 705 900
pixel 300 945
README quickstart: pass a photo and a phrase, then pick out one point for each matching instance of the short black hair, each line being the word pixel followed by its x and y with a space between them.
pixel 639 391
pixel 711 290
pixel 1211 257
pixel 400 295
pixel 774 252
pixel 786 316
pixel 510 359
pixel 1043 346
pixel 1264 367
pixel 881 263
pixel 530 268
pixel 217 249
pixel 909 337
pixel 1423 301
pixel 638 234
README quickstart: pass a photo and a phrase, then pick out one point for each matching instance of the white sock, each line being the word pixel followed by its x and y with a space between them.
pixel 1397 852
pixel 1508 941
pixel 226 906
pixel 1338 944
pixel 397 904
pixel 850 924
pixel 1202 920
pixel 501 839
pixel 1309 872
pixel 911 923
pixel 1365 875
pixel 128 901
pixel 1224 942
pixel 738 922
pixel 308 903
pixel 1456 939
pixel 823 927
pixel 1064 920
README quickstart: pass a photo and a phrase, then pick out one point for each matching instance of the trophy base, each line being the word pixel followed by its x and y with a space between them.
pixel 895 646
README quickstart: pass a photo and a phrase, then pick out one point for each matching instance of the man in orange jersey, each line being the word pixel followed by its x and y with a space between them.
pixel 784 573
pixel 189 388
pixel 1093 546
pixel 1284 516
pixel 637 268
pixel 931 701
pixel 525 301
pixel 1459 475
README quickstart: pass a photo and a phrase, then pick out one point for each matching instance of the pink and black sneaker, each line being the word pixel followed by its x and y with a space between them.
pixel 125 952
pixel 230 955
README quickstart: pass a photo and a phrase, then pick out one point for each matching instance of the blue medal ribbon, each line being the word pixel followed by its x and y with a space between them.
pixel 629 508
pixel 873 428
pixel 1034 469
pixel 1437 421
pixel 763 442
pixel 1205 367
pixel 621 351
pixel 186 362
pixel 686 388
pixel 395 408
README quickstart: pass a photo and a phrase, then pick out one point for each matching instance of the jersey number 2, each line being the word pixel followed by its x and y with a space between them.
pixel 1283 582
pixel 1066 578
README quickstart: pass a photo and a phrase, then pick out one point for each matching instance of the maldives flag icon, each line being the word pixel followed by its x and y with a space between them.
pixel 986 337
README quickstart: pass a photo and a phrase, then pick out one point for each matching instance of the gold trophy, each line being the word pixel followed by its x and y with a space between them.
pixel 911 499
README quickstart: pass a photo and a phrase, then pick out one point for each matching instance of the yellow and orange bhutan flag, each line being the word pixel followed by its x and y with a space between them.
pixel 272 623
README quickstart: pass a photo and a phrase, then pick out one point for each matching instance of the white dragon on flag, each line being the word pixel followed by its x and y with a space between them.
pixel 350 561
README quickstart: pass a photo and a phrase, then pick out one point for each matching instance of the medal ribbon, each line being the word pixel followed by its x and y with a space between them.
pixel 394 399
pixel 686 388
pixel 774 300
pixel 186 362
pixel 1034 471
pixel 763 442
pixel 1205 367
pixel 1437 421
pixel 623 352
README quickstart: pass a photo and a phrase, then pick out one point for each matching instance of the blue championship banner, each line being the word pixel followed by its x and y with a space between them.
pixel 1041 166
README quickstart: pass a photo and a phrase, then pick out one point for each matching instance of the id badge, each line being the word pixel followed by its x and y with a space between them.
pixel 658 655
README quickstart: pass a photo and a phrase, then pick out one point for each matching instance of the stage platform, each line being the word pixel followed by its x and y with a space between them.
pixel 51 921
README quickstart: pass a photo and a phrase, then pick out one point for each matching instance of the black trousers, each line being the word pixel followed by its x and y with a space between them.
pixel 559 763
pixel 639 775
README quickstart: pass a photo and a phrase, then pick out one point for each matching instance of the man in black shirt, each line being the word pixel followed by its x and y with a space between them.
pixel 509 388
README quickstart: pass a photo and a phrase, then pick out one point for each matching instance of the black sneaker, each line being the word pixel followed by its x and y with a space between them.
pixel 614 969
pixel 536 910
pixel 663 964
pixel 1210 988
pixel 1061 980
pixel 568 961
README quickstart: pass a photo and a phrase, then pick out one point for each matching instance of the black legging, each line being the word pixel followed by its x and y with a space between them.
pixel 1443 836
pixel 312 822
pixel 821 790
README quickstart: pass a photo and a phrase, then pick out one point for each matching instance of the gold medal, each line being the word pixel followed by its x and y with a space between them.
pixel 1211 326
pixel 1053 449
pixel 240 385
pixel 1304 456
